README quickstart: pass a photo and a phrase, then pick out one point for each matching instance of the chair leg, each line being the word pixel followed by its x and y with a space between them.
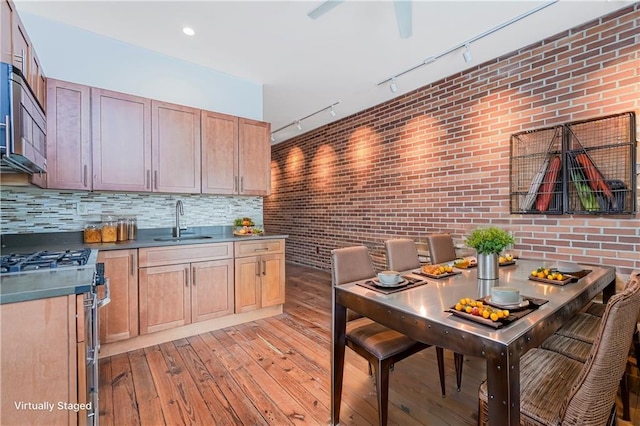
pixel 440 356
pixel 624 394
pixel 458 360
pixel 370 371
pixel 382 390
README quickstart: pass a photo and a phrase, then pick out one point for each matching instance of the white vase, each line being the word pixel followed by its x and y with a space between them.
pixel 487 266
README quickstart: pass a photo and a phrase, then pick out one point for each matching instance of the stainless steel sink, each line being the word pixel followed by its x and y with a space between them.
pixel 183 238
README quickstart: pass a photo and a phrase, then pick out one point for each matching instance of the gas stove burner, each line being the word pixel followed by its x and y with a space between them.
pixel 43 260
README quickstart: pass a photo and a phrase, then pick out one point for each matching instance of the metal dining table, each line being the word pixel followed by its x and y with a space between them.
pixel 422 313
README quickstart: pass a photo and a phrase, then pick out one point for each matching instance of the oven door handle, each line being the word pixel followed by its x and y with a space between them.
pixel 107 294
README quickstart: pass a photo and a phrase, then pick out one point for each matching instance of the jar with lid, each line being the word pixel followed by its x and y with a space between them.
pixel 133 227
pixel 92 233
pixel 123 229
pixel 109 229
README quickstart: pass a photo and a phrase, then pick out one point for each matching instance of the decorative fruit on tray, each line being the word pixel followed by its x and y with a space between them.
pixel 479 309
pixel 437 269
pixel 505 258
pixel 245 221
pixel 547 274
pixel 245 227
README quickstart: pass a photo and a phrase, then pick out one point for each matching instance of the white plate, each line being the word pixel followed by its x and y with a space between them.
pixel 521 304
pixel 400 283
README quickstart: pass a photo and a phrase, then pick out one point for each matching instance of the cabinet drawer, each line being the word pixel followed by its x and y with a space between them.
pixel 157 256
pixel 256 247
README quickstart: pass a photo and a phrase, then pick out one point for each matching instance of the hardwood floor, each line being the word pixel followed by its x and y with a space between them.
pixel 277 371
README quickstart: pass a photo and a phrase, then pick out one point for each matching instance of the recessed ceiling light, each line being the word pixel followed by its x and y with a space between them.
pixel 188 31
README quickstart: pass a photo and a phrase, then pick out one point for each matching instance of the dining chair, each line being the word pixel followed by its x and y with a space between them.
pixel 402 255
pixel 441 248
pixel 381 346
pixel 556 389
pixel 575 338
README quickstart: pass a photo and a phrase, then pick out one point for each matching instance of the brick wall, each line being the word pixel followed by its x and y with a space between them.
pixel 437 159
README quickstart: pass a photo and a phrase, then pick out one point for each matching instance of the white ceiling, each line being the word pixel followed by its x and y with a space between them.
pixel 306 65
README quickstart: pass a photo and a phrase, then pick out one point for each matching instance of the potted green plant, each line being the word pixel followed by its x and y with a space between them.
pixel 489 243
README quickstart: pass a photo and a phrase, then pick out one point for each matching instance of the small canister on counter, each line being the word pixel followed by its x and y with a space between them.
pixel 92 233
pixel 123 229
pixel 109 229
pixel 133 227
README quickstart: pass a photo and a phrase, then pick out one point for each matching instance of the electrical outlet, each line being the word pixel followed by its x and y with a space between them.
pixel 81 208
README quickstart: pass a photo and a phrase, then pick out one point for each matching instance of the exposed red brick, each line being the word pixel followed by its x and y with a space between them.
pixel 437 158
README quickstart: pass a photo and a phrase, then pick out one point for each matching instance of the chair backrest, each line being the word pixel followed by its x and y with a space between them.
pixel 402 254
pixel 441 248
pixel 351 264
pixel 593 394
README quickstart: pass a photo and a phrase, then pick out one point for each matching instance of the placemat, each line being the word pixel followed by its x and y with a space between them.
pixel 412 282
pixel 534 303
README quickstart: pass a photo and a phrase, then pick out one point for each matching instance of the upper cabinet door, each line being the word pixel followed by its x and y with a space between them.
pixel 219 153
pixel 121 137
pixel 21 47
pixel 6 30
pixel 68 136
pixel 254 157
pixel 175 148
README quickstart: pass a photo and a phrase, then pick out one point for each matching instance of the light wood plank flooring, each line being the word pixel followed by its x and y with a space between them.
pixel 277 371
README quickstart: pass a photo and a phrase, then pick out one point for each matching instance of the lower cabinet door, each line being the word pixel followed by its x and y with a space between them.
pixel 211 289
pixel 119 318
pixel 165 297
pixel 272 285
pixel 247 285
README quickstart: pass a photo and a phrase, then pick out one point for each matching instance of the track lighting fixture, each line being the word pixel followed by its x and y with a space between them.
pixel 467 53
pixel 298 122
pixel 392 86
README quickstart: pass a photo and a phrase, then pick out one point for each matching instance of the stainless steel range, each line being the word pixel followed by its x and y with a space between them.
pixel 43 262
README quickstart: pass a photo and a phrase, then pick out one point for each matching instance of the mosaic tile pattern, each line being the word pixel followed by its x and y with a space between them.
pixel 27 210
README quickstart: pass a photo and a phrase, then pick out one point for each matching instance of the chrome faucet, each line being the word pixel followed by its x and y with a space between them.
pixel 179 212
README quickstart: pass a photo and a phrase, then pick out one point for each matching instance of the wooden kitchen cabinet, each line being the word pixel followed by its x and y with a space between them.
pixel 219 153
pixel 186 284
pixel 236 155
pixel 259 274
pixel 69 162
pixel 119 318
pixel 121 138
pixel 40 344
pixel 175 148
pixel 7 9
pixel 254 157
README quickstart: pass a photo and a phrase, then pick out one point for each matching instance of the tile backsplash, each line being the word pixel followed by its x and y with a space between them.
pixel 27 210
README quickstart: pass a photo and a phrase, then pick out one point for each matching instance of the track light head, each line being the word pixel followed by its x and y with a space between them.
pixel 273 138
pixel 332 112
pixel 467 53
pixel 392 86
pixel 298 125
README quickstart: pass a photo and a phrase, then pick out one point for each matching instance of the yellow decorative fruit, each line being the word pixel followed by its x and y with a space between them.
pixel 485 313
pixel 458 307
pixel 468 309
pixel 505 313
pixel 493 316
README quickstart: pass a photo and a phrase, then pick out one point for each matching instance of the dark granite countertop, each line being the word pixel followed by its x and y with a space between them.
pixel 146 238
pixel 25 286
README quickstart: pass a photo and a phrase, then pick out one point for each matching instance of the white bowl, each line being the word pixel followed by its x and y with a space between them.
pixel 389 277
pixel 505 295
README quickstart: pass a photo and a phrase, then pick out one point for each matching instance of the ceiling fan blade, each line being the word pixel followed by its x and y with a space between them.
pixel 404 17
pixel 323 8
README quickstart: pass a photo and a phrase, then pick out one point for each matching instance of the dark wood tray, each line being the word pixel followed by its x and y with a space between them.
pixel 534 303
pixel 437 277
pixel 511 262
pixel 567 279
